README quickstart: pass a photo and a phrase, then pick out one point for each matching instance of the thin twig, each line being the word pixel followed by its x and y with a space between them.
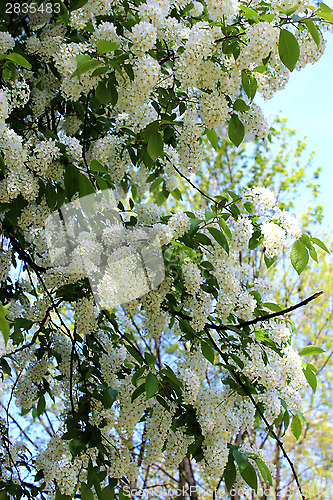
pixel 84 147
pixel 198 189
pixel 283 312
pixel 259 319
pixel 21 429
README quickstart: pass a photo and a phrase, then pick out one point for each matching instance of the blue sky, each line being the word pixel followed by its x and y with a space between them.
pixel 307 102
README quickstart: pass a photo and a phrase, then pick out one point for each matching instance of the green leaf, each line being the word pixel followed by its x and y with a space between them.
pixel 328 16
pixel 288 49
pixel 240 105
pixel 155 146
pixel 310 350
pixel 138 374
pixel 310 366
pixel 151 385
pixel 307 242
pixel 229 473
pixel 71 180
pixel 76 446
pixel 250 476
pixel 61 496
pixel 299 256
pixel 85 186
pixel 313 30
pixel 267 17
pixel 5 329
pixel 264 471
pixel 291 10
pixel 313 253
pixel 5 366
pixel 256 239
pixel 84 64
pixel 109 397
pixel 176 193
pixel 250 14
pixel 272 306
pixel 104 46
pixel 286 420
pixel 296 426
pixel 18 59
pixel 151 360
pixel 213 138
pixel 324 7
pixel 269 261
pixel 320 244
pixel 311 378
pixel 86 493
pixel 107 493
pixel 51 195
pixel 236 130
pixel 241 459
pixel 171 376
pixel 136 354
pixel 41 405
pixel 100 71
pixel 225 228
pixel 220 238
pixel 102 93
pixel 208 352
pixel 77 4
pixel 122 495
pixel 96 166
pixel 138 391
pixel 249 84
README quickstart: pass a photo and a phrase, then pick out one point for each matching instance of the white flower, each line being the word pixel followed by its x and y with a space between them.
pixel 274 238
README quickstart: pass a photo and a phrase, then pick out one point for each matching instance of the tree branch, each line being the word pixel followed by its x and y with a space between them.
pixel 269 427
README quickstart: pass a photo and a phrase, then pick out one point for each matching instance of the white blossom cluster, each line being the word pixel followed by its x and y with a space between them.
pixel 52 141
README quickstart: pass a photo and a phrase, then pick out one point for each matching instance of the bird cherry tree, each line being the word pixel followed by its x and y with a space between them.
pixel 116 311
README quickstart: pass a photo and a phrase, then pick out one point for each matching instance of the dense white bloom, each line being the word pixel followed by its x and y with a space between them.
pixel 149 213
pixel 192 277
pixel 262 197
pixel 105 31
pixel 85 316
pixel 262 38
pixel 255 123
pixel 288 222
pixel 216 457
pixel 154 11
pixel 177 226
pixel 4 106
pixel 143 37
pixel 172 70
pixel 5 258
pixel 191 371
pixel 176 447
pixel 222 9
pixel 274 238
pixel 246 304
pixel 73 147
pixel 214 109
pixel 158 426
pixel 6 42
pixel 243 230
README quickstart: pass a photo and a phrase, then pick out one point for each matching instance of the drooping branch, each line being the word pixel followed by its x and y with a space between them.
pixel 84 146
pixel 262 416
pixel 259 319
pixel 283 312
